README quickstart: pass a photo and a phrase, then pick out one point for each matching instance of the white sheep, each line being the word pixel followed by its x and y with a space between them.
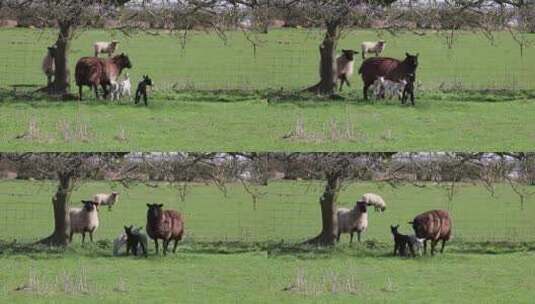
pixel 84 219
pixel 372 199
pixel 106 199
pixel 121 88
pixel 352 220
pixel 376 47
pixel 49 65
pixel 344 66
pixel 105 47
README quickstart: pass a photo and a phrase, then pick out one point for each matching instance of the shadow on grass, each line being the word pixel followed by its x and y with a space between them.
pixel 369 248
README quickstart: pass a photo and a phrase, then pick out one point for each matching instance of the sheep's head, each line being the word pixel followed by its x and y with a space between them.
pixel 123 61
pixel 412 60
pixel 155 210
pixel 115 194
pixel 349 54
pixel 128 230
pixel 147 80
pixel 114 42
pixel 52 51
pixel 394 229
pixel 89 205
pixel 361 206
pixel 381 43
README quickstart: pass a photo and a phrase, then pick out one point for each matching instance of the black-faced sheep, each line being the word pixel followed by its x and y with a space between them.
pixel 434 225
pixel 105 47
pixel 376 47
pixel 162 224
pixel 352 220
pixel 84 220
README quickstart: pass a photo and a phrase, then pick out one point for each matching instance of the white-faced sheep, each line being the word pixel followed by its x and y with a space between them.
pixel 121 88
pixel 106 199
pixel 49 65
pixel 372 199
pixel 84 219
pixel 105 47
pixel 352 220
pixel 376 47
pixel 344 66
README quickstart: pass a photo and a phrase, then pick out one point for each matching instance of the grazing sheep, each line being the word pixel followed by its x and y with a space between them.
pixel 372 47
pixel 434 225
pixel 352 220
pixel 106 199
pixel 105 47
pixel 142 89
pixel 372 199
pixel 344 66
pixel 94 72
pixel 84 220
pixel 135 240
pixel 408 90
pixel 164 224
pixel 389 68
pixel 49 64
pixel 402 241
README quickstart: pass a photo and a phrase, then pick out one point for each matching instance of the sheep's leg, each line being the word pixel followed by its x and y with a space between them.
pixel 412 97
pixel 433 245
pixel 174 247
pixel 128 247
pixel 165 245
pixel 156 246
pixel 83 238
pixel 425 247
pixel 70 237
pixel 143 248
pixel 396 245
pixel 338 237
pixel 80 92
pixel 443 244
pixel 145 98
pixel 351 238
pixel 96 91
pixel 411 248
pixel 363 54
pixel 358 235
pixel 91 236
pixel 365 91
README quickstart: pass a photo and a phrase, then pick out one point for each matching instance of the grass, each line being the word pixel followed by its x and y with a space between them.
pixel 216 95
pixel 236 254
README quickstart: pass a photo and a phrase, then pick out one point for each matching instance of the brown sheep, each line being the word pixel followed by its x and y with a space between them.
pixel 389 68
pixel 164 224
pixel 434 225
pixel 93 71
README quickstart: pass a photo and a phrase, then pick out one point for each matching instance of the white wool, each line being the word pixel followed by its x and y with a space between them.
pixel 105 47
pixel 351 220
pixel 83 220
pixel 106 199
pixel 344 66
pixel 119 243
pixel 373 200
pixel 376 47
pixel 121 88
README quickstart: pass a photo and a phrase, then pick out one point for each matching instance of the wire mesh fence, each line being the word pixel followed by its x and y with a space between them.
pixel 284 58
pixel 289 211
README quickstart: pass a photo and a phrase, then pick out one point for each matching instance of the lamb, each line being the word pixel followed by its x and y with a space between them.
pixel 162 224
pixel 106 199
pixel 121 240
pixel 121 88
pixel 434 225
pixel 408 90
pixel 49 65
pixel 372 199
pixel 84 220
pixel 105 47
pixel 135 240
pixel 402 241
pixel 344 66
pixel 141 90
pixel 372 47
pixel 392 88
pixel 352 220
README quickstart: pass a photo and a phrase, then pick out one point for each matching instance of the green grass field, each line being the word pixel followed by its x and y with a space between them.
pixel 234 253
pixel 189 110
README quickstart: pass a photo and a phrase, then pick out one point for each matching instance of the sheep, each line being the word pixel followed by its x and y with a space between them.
pixel 164 224
pixel 344 66
pixel 402 241
pixel 135 240
pixel 105 47
pixel 408 90
pixel 142 89
pixel 391 88
pixel 434 225
pixel 121 240
pixel 84 220
pixel 389 68
pixel 121 88
pixel 49 65
pixel 106 199
pixel 372 199
pixel 372 47
pixel 352 220
pixel 94 72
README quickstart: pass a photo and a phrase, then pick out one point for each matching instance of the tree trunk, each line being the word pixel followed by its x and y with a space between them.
pixel 327 84
pixel 60 202
pixel 329 219
pixel 61 85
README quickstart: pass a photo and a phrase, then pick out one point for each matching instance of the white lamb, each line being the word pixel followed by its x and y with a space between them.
pixel 84 219
pixel 121 88
pixel 105 47
pixel 372 199
pixel 106 199
pixel 385 88
pixel 376 47
pixel 352 220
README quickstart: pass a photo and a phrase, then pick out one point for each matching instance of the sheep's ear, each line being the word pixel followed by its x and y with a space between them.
pixel 149 205
pixel 407 54
pixel 417 54
pixel 160 205
pixel 125 228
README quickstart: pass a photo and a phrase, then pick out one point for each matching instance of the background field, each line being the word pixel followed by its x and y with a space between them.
pixel 236 254
pixel 251 114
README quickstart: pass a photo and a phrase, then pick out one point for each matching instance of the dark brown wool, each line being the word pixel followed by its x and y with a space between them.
pixel 94 72
pixel 162 224
pixel 389 68
pixel 434 225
